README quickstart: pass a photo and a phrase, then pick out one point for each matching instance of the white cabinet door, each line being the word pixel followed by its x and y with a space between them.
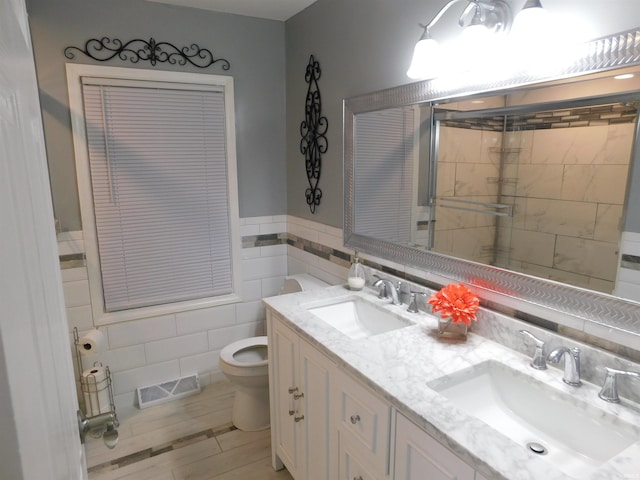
pixel 300 394
pixel 283 347
pixel 420 457
pixel 315 378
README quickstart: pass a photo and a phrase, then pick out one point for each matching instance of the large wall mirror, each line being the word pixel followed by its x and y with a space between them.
pixel 522 186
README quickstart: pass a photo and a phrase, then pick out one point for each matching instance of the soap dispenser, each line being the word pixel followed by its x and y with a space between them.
pixel 356 278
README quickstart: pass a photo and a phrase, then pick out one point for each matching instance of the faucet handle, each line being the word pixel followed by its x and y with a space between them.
pixel 413 305
pixel 609 391
pixel 538 362
pixel 383 293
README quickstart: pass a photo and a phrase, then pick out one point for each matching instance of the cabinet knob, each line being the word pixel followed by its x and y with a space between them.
pixel 297 419
pixel 355 419
pixel 292 389
pixel 359 477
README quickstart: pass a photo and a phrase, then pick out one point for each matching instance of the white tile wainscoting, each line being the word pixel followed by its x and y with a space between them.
pixel 147 351
pixel 151 350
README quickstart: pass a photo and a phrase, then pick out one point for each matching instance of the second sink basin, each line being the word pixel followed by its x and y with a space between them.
pixel 357 318
pixel 576 438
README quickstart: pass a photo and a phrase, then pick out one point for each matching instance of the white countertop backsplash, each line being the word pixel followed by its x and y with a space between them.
pixel 399 364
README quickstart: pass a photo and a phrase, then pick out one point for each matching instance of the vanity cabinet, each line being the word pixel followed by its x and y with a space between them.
pixel 419 456
pixel 300 390
pixel 325 425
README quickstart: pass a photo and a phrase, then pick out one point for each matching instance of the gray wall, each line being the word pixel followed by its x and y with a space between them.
pixel 362 46
pixel 254 47
pixel 366 45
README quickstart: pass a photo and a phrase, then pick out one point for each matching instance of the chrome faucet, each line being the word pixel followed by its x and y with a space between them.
pixel 538 362
pixel 387 287
pixel 609 392
pixel 571 364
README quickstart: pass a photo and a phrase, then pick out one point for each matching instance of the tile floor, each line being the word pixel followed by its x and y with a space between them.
pixel 190 438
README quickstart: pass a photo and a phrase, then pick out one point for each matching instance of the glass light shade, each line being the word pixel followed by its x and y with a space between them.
pixel 530 23
pixel 539 40
pixel 426 60
pixel 474 47
pixel 475 33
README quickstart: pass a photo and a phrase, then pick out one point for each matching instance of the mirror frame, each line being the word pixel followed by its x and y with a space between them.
pixel 602 315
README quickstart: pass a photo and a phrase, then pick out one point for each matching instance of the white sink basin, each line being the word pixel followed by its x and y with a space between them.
pixel 357 318
pixel 577 437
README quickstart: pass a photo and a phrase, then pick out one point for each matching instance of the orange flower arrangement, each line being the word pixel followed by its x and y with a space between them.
pixel 455 301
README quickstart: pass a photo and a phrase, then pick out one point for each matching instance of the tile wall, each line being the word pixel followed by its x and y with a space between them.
pixel 148 351
pixel 468 170
pixel 566 187
pixel 568 202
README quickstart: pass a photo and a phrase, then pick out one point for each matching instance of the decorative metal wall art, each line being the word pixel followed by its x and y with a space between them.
pixel 105 48
pixel 313 129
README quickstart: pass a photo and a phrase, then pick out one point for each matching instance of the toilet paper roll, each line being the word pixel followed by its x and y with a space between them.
pixel 93 342
pixel 95 390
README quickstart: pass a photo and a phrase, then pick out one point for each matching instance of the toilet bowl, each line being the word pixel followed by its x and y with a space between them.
pixel 246 365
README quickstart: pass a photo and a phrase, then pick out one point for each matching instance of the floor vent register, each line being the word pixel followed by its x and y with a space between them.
pixel 168 391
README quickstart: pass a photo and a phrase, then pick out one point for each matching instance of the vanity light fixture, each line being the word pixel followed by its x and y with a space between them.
pixel 480 19
pixel 484 22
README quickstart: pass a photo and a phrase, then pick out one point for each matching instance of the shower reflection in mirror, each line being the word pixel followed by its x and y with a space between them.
pixel 539 189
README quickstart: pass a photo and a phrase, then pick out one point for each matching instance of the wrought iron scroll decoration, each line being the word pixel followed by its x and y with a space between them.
pixel 313 129
pixel 105 48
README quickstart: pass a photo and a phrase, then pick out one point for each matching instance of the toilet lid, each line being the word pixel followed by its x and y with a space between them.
pixel 248 352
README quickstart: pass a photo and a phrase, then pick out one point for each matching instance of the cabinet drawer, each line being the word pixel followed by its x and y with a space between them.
pixel 363 422
pixel 351 468
pixel 420 456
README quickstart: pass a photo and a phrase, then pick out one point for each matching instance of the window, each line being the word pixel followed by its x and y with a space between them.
pixel 384 158
pixel 156 169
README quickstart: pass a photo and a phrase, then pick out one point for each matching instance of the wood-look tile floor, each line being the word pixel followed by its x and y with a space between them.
pixel 190 438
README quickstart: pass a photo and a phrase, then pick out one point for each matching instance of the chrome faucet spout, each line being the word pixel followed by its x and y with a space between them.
pixel 387 288
pixel 571 364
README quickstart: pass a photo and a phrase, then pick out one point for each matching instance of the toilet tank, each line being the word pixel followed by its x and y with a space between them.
pixel 300 283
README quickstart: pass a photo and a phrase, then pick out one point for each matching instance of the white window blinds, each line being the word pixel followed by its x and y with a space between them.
pixel 383 157
pixel 158 170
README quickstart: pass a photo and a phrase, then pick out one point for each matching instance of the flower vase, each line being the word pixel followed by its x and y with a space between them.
pixel 452 330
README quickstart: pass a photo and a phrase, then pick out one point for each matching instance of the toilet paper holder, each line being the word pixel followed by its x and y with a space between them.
pixel 99 416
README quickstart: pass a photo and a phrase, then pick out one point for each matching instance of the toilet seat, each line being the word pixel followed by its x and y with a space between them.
pixel 239 354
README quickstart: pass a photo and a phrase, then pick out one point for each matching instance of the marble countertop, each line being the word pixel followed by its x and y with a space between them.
pixel 400 364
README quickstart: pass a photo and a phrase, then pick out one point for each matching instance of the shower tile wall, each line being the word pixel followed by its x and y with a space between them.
pixel 151 350
pixel 567 186
pixel 568 189
pixel 468 169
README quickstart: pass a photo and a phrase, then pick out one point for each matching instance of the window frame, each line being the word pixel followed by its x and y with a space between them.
pixel 75 72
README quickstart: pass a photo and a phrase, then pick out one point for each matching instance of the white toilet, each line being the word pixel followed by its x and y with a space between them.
pixel 246 365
